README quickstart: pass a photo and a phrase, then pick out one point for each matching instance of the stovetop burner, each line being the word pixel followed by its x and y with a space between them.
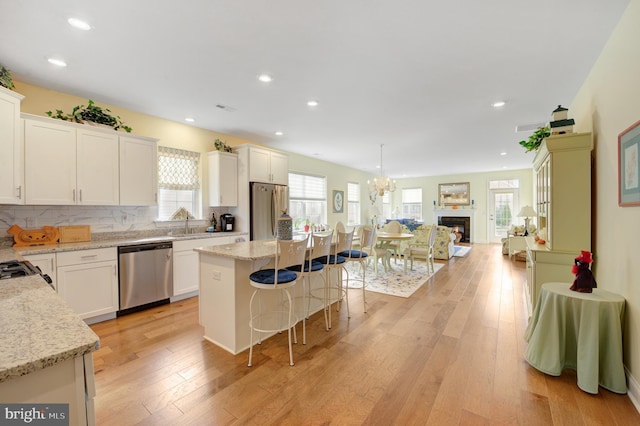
pixel 16 268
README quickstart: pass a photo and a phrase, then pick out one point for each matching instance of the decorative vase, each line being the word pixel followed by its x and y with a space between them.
pixel 285 226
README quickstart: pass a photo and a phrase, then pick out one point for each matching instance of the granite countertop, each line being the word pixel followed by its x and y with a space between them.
pixel 38 328
pixel 87 245
pixel 249 250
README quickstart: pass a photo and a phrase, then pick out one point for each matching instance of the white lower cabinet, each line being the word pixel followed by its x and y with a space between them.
pixel 186 267
pixel 88 281
pixel 47 264
pixel 71 382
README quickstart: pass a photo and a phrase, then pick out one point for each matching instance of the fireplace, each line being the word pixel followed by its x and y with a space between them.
pixel 461 226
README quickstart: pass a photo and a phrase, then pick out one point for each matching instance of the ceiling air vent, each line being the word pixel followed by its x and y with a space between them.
pixel 529 127
pixel 226 108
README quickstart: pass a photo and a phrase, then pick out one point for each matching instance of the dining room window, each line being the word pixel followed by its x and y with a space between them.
pixel 353 204
pixel 386 205
pixel 412 203
pixel 307 199
pixel 178 182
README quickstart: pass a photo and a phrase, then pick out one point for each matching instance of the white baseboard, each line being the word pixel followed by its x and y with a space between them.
pixel 633 390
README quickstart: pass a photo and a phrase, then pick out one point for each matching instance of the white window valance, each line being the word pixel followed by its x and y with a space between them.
pixel 178 169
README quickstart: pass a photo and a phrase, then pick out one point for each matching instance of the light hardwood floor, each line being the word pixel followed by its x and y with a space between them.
pixel 450 354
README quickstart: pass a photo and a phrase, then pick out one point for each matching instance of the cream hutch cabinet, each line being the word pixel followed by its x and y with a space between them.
pixel 563 202
pixel 11 185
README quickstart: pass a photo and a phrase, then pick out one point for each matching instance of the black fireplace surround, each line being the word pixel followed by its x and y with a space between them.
pixel 462 223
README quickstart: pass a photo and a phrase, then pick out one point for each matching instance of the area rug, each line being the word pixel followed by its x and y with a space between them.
pixel 395 282
pixel 461 251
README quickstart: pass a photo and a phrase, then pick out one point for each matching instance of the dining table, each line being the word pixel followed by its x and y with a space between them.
pixel 386 240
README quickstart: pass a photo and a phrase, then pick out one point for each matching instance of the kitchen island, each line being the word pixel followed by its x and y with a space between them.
pixel 45 348
pixel 225 291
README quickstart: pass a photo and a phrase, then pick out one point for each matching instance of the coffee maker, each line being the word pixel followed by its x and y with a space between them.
pixel 226 222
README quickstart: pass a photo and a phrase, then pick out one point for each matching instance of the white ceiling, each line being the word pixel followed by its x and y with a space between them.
pixel 418 76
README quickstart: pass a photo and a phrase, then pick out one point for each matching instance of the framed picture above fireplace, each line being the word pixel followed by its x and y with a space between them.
pixel 454 194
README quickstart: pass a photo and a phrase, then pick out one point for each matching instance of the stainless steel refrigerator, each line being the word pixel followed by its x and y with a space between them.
pixel 267 203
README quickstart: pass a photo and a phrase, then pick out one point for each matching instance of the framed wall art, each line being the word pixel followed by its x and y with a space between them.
pixel 628 168
pixel 454 194
pixel 338 201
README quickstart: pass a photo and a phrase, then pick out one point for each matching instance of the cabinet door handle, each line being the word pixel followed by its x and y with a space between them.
pixel 74 195
pixel 19 189
pixel 81 195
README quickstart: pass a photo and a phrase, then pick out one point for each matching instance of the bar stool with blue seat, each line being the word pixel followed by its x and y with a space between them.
pixel 279 316
pixel 321 245
pixel 334 263
pixel 367 237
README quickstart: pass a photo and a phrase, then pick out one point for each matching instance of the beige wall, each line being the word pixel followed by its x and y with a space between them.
pixel 608 103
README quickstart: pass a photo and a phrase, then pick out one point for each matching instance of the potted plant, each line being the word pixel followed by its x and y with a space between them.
pixel 92 113
pixel 534 141
pixel 5 78
pixel 221 146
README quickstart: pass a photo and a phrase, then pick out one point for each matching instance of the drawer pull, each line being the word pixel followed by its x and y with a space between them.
pixel 91 256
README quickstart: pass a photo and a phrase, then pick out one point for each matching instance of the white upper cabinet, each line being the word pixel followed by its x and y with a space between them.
pixel 97 168
pixel 68 165
pixel 268 166
pixel 11 160
pixel 223 179
pixel 138 171
pixel 50 162
pixel 76 164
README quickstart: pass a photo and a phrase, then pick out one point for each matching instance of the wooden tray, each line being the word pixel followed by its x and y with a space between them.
pixel 75 234
pixel 33 237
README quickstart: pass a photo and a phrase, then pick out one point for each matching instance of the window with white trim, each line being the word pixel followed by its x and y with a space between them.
pixel 307 199
pixel 353 204
pixel 178 182
pixel 412 203
pixel 386 205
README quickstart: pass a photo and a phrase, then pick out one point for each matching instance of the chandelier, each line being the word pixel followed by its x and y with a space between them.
pixel 382 184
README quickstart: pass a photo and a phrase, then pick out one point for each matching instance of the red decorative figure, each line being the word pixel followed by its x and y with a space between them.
pixel 584 282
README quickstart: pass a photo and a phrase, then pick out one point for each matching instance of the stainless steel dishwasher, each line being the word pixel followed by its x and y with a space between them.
pixel 146 276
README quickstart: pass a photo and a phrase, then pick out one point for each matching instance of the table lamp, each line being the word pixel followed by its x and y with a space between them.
pixel 527 212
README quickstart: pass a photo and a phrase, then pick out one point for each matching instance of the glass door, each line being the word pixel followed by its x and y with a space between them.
pixel 502 211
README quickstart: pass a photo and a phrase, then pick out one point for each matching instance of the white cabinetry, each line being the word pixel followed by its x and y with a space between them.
pixel 70 163
pixel 88 281
pixel 138 171
pixel 71 382
pixel 268 166
pixel 12 158
pixel 65 165
pixel 563 200
pixel 47 264
pixel 185 262
pixel 223 179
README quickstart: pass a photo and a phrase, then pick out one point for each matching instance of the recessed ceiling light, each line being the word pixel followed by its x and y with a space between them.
pixel 312 103
pixel 265 78
pixel 190 120
pixel 79 24
pixel 57 62
pixel 503 153
pixel 498 104
pixel 279 133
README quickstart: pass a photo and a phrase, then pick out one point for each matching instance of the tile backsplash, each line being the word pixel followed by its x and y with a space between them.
pixel 101 218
